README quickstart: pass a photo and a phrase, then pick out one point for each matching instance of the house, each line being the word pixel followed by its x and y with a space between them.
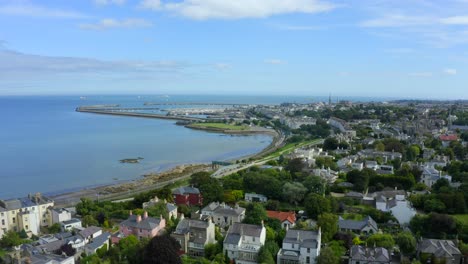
pixel 222 214
pixel 71 224
pixel 384 155
pixel 170 207
pixel 287 219
pixel 392 201
pixel 28 213
pixel 97 243
pixel 194 235
pixel 368 255
pixel 365 226
pixel 142 226
pixel 327 174
pixel 59 215
pixel 188 196
pixel 431 175
pixel 254 197
pixel 444 250
pixel 49 259
pixel 447 139
pixel 90 233
pixel 341 125
pixel 300 246
pixel 243 242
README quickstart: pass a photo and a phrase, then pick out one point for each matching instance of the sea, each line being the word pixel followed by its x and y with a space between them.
pixel 48 147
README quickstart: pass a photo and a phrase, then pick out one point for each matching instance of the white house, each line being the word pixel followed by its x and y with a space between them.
pixel 243 242
pixel 395 202
pixel 88 234
pixel 300 246
pixel 431 175
pixel 98 242
pixel 71 224
pixel 254 197
pixel 222 214
pixel 59 215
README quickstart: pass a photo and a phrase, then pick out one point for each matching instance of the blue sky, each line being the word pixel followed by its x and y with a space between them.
pixel 397 48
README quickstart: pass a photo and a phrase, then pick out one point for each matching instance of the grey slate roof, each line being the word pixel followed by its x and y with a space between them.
pixel 99 241
pixel 47 259
pixel 238 229
pixel 306 239
pixel 170 207
pixel 438 247
pixel 89 231
pixel 149 223
pixel 357 225
pixel 71 221
pixel 185 225
pixel 223 209
pixel 186 190
pixel 372 255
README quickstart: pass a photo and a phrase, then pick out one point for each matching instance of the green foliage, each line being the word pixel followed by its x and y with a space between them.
pixel 435 225
pixel 294 192
pixel 330 144
pixel 326 162
pixel 211 250
pixel 11 239
pixel 295 165
pixel 267 253
pixel 329 226
pixel 360 179
pixel 327 256
pixel 255 214
pixel 89 220
pixel 162 250
pixel 406 242
pixel 381 240
pixel 315 184
pixel 316 205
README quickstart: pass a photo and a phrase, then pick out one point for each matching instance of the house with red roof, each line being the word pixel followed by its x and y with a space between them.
pixel 287 219
pixel 447 138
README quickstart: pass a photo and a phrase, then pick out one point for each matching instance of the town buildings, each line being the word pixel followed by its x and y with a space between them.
pixel 365 226
pixel 194 235
pixel 287 219
pixel 187 196
pixel 28 214
pixel 300 246
pixel 222 214
pixel 367 255
pixel 445 251
pixel 142 226
pixel 243 242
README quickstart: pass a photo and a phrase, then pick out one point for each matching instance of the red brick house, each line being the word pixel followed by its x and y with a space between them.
pixel 188 196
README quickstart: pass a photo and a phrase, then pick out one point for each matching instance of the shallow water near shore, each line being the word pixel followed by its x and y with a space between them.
pixel 48 147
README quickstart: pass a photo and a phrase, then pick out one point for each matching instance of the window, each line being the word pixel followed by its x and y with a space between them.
pixel 26 227
pixel 3 221
pixel 253 239
pixel 14 220
pixel 3 214
pixel 307 259
pixel 308 250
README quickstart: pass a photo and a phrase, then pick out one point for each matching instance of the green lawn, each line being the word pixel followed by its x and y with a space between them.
pixel 220 126
pixel 289 148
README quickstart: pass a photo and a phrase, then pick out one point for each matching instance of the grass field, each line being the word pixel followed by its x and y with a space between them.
pixel 288 148
pixel 220 126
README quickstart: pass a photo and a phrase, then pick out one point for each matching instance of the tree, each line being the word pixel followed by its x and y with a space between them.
pixel 406 242
pixel 329 225
pixel 89 220
pixel 130 247
pixel 315 184
pixel 327 256
pixel 67 249
pixel 55 228
pixel 267 253
pixel 439 184
pixel 316 204
pixel 360 179
pixel 381 240
pixel 11 239
pixel 379 146
pixel 294 192
pixel 255 214
pixel 330 144
pixel 162 250
pixel 295 165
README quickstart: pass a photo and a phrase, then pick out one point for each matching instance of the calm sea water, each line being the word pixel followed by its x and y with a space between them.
pixel 45 146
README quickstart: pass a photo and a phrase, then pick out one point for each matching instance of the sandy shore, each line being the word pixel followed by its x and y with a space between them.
pixel 130 188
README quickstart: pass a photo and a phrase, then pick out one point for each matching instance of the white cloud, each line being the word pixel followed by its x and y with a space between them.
pixel 298 28
pixel 38 11
pixel 114 23
pixel 455 20
pixel 222 66
pixel 450 71
pixel 150 4
pixel 420 74
pixel 109 2
pixel 398 20
pixel 274 61
pixel 226 9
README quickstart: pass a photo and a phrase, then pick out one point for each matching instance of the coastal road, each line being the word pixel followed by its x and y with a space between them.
pixel 227 170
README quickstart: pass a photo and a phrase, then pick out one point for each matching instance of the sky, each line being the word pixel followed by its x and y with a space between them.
pixel 371 48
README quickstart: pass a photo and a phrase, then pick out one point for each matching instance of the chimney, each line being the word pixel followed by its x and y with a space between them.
pixel 263 224
pixel 131 212
pixel 210 220
pixel 161 217
pixel 145 215
pixel 138 219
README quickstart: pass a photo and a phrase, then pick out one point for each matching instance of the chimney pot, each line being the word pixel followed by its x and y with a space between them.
pixel 145 215
pixel 138 219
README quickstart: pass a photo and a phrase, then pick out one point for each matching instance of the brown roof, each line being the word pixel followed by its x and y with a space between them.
pixel 282 216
